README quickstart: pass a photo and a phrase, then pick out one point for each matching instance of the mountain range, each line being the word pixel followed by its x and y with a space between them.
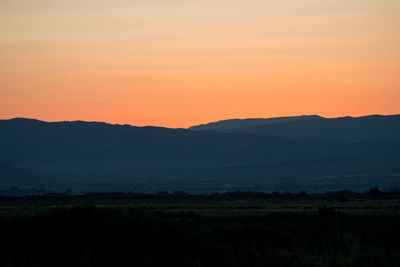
pixel 313 127
pixel 232 124
pixel 308 153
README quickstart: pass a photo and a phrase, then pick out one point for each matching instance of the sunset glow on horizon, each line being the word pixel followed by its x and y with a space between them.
pixel 180 63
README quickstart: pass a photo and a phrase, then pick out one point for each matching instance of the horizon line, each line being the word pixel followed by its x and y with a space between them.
pixel 210 122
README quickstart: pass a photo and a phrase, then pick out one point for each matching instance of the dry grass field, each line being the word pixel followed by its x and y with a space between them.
pixel 238 229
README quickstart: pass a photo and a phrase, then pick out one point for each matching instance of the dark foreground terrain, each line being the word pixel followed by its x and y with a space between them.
pixel 232 229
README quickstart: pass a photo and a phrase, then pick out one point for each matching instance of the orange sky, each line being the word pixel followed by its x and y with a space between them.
pixel 178 63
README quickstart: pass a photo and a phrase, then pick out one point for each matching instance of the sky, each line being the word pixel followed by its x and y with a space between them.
pixel 177 63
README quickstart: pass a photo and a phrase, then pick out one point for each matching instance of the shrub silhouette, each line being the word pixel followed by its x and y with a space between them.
pixel 325 211
pixel 374 191
pixel 125 236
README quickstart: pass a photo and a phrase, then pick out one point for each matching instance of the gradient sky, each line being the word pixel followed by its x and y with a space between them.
pixel 176 63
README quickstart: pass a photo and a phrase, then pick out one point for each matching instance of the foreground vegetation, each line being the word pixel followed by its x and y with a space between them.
pixel 238 232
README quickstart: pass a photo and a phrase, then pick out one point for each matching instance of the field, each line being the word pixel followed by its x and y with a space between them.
pixel 230 229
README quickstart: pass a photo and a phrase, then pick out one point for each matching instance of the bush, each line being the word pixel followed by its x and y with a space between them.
pixel 325 211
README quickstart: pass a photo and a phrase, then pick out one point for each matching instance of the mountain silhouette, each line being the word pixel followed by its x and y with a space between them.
pixel 242 123
pixel 345 129
pixel 96 156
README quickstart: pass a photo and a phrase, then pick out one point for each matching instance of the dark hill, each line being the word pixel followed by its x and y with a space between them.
pixel 242 123
pixel 95 156
pixel 25 140
pixel 346 129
